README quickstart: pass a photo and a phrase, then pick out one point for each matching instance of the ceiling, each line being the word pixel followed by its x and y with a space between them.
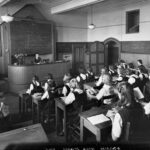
pixel 56 6
pixel 60 6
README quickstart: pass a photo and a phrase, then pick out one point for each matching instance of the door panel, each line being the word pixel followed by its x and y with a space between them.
pixel 78 50
pixel 96 50
pixel 93 58
pixel 101 58
pixel 94 68
pixel 112 51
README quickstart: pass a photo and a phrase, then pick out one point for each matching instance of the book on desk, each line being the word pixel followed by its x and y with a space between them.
pixel 97 119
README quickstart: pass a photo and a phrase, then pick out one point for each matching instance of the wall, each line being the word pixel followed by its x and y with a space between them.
pixel 110 20
pixel 70 26
pixel 11 9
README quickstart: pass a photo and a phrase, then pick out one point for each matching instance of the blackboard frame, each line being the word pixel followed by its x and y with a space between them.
pixel 27 49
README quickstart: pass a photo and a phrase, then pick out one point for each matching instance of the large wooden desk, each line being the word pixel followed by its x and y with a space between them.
pixel 95 129
pixel 29 134
pixel 60 105
pixel 20 77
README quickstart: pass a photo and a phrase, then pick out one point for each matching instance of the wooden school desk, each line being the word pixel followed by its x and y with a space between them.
pixel 60 105
pixel 22 104
pixel 95 129
pixel 30 134
pixel 88 85
pixel 36 103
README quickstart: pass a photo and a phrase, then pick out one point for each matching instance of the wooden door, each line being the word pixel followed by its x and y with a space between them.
pixel 78 50
pixel 96 56
pixel 113 53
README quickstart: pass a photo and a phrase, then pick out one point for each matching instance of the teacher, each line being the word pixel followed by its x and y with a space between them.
pixel 37 59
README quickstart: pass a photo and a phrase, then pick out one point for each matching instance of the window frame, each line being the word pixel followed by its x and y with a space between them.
pixel 127 21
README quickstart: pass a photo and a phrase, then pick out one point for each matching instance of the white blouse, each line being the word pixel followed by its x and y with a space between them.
pixel 83 76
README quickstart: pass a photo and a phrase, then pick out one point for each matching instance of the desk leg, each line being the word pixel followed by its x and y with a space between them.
pixel 65 125
pixel 32 112
pixel 98 136
pixel 56 113
pixel 38 113
pixel 20 105
pixel 81 129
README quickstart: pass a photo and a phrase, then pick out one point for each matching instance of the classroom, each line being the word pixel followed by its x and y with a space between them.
pixel 74 72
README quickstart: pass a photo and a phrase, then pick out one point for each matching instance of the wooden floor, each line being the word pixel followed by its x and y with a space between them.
pixel 25 120
pixel 20 121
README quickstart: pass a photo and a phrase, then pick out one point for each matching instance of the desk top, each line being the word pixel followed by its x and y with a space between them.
pixel 60 100
pixel 34 64
pixel 89 85
pixel 36 98
pixel 30 134
pixel 20 93
pixel 96 111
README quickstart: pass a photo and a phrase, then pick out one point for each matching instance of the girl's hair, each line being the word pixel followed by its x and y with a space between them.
pixel 107 78
pixel 122 61
pixel 50 76
pixel 142 69
pixel 122 71
pixel 127 94
pixel 140 61
pixel 89 69
pixel 105 69
pixel 73 81
pixel 36 78
pixel 111 67
pixel 81 70
pixel 80 85
pixel 67 77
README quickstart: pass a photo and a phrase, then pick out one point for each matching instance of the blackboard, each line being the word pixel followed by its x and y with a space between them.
pixel 30 37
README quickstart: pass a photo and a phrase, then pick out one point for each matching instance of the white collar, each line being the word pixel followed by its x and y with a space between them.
pixel 83 76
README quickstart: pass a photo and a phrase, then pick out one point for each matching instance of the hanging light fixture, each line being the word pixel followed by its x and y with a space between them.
pixel 7 18
pixel 91 25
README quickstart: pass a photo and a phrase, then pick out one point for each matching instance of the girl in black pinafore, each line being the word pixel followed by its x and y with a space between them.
pixel 81 78
pixel 90 75
pixel 74 102
pixel 35 86
pixel 130 111
pixel 47 103
pixel 66 88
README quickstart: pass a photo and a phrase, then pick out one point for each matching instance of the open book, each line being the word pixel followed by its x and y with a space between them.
pixel 137 93
pixel 97 119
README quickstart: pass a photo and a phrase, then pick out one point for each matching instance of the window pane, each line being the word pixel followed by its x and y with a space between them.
pixel 132 21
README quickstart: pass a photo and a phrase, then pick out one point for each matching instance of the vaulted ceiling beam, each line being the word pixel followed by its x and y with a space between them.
pixel 4 2
pixel 73 4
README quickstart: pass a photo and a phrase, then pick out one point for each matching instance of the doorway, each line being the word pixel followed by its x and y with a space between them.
pixel 112 51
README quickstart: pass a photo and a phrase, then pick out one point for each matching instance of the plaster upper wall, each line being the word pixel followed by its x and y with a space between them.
pixel 11 8
pixel 70 26
pixel 110 19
